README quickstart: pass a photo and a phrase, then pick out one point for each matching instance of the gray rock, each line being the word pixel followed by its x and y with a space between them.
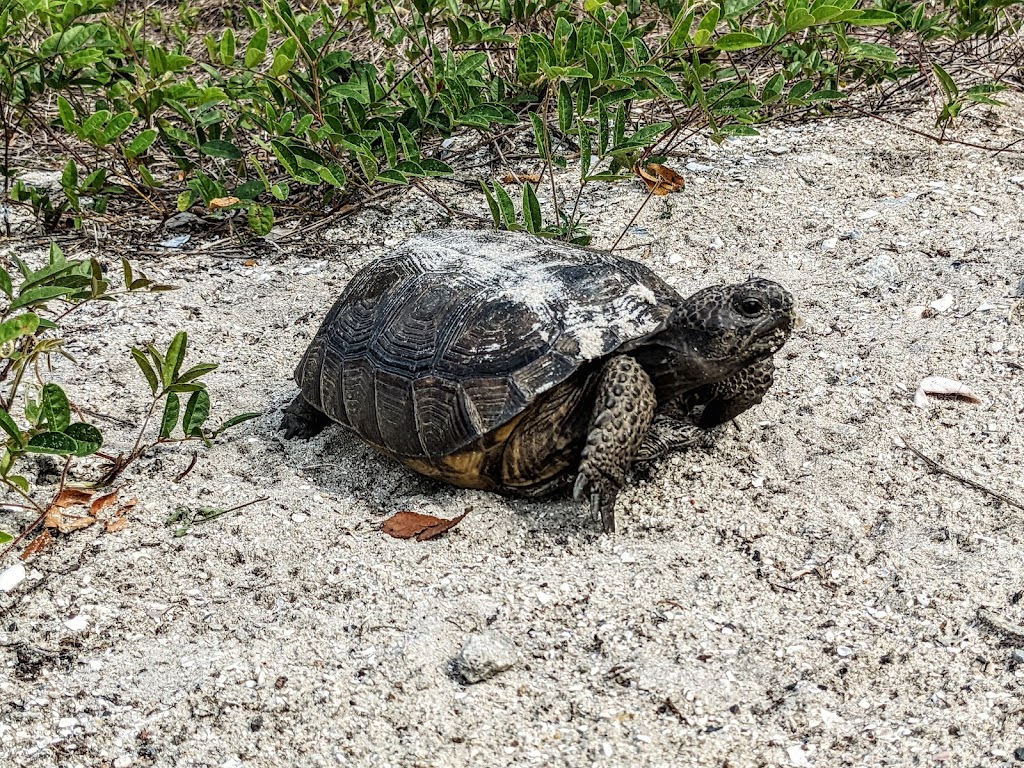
pixel 694 167
pixel 485 655
pixel 882 271
pixel 1018 655
pixel 1019 293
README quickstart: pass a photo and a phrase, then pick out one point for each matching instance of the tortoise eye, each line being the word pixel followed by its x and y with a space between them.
pixel 750 306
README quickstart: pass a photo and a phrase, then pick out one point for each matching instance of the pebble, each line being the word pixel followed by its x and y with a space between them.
pixel 844 651
pixel 943 304
pixel 780 150
pixel 829 244
pixel 77 623
pixel 868 214
pixel 716 243
pixel 978 211
pixel 1018 655
pixel 877 273
pixel 1019 293
pixel 698 167
pixel 12 577
pixel 485 655
pixel 1019 753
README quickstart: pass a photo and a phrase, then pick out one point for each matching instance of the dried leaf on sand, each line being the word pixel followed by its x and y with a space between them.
pixel 406 525
pixel 660 179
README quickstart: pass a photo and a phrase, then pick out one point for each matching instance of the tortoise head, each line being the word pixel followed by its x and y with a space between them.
pixel 727 327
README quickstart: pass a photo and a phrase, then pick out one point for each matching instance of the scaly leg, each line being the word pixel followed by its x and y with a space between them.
pixel 623 410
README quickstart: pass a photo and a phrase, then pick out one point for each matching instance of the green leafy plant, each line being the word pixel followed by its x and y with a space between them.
pixel 31 314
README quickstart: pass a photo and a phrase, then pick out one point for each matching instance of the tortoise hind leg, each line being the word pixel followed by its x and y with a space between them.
pixel 623 411
pixel 303 420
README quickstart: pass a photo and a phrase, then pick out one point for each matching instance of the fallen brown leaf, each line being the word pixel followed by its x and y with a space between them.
pixel 660 179
pixel 223 202
pixel 250 263
pixel 102 502
pixel 406 525
pixel 521 178
pixel 37 545
pixel 57 517
pixel 116 524
pixel 71 497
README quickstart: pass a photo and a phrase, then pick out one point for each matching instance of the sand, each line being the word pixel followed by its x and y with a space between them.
pixel 802 591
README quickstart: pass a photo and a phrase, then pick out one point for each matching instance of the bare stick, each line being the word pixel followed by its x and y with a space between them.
pixel 936 467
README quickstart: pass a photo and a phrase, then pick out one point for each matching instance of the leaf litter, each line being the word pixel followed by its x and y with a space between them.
pixel 407 524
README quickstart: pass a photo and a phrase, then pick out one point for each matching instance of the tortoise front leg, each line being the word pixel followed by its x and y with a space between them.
pixel 726 399
pixel 623 410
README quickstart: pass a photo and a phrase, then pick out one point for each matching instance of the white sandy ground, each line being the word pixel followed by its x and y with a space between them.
pixel 802 593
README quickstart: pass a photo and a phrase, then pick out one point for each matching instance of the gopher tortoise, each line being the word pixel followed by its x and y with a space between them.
pixel 511 363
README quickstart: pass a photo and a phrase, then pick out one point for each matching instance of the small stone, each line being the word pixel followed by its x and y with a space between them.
pixel 77 623
pixel 880 272
pixel 1019 753
pixel 844 651
pixel 299 517
pixel 67 722
pixel 978 211
pixel 780 150
pixel 829 244
pixel 485 655
pixel 698 167
pixel 868 214
pixel 943 304
pixel 716 243
pixel 1018 655
pixel 1019 293
pixel 12 577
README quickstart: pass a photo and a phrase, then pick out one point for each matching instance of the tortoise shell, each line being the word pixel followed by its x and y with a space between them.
pixel 431 351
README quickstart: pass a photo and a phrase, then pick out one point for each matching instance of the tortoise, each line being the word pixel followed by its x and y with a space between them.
pixel 512 363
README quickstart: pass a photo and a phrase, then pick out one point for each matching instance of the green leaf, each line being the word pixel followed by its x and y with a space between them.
pixel 257 48
pixel 508 208
pixel 261 219
pixel 586 149
pixel 390 150
pixel 7 425
pixel 565 107
pixel 170 419
pixel 172 360
pixel 227 47
pixel 141 143
pixel 798 19
pixel 196 371
pixel 147 369
pixel 22 325
pixel 434 167
pixel 234 421
pixel 222 149
pixel 707 27
pixel 531 210
pixel 54 443
pixel 40 295
pixel 67 116
pixel 5 283
pixel 196 413
pixel 948 84
pixel 4 536
pixel 492 204
pixel 284 59
pixel 870 17
pixel 873 52
pixel 539 134
pixel 56 409
pixel 88 438
pixel 118 125
pixel 737 41
pixel 392 176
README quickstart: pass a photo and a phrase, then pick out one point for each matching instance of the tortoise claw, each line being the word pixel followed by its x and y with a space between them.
pixel 602 499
